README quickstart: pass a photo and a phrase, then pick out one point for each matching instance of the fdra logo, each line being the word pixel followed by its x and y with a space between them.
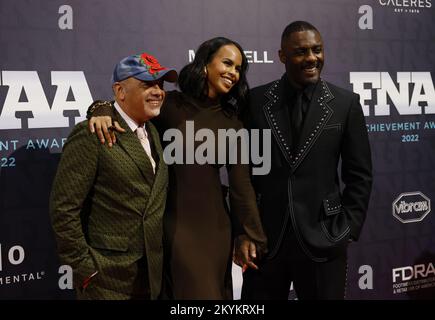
pixel 412 278
pixel 411 207
pixel 417 271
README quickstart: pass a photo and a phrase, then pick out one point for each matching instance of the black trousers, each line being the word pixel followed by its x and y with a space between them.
pixel 311 280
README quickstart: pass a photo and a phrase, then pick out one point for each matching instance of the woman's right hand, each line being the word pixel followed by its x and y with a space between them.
pixel 245 252
pixel 105 129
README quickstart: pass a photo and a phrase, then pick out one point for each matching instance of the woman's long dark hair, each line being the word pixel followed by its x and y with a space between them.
pixel 192 79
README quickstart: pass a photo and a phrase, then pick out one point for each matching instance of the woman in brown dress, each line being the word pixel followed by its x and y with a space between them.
pixel 199 227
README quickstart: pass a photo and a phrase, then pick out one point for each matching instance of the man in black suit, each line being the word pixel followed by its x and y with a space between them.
pixel 308 218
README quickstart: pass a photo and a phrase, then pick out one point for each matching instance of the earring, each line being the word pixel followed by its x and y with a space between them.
pixel 205 70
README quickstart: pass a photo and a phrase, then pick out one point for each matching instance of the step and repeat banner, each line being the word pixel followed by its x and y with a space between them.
pixel 56 57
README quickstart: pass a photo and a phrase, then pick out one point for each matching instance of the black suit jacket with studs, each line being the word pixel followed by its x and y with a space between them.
pixel 303 189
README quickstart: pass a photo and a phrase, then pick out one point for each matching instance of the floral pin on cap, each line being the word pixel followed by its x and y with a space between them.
pixel 143 67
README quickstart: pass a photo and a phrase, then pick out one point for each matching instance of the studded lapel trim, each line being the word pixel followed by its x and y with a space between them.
pixel 277 117
pixel 318 115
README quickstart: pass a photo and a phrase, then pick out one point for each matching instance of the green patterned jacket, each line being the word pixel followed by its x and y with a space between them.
pixel 106 207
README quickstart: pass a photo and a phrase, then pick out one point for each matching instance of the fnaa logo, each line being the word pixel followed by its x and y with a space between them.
pixel 411 207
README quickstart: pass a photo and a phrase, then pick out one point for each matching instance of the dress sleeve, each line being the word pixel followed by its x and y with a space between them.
pixel 100 108
pixel 243 203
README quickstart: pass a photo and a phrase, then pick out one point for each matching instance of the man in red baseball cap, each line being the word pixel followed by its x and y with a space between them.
pixel 107 203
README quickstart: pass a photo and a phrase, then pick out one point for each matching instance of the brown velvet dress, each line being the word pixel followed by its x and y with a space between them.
pixel 198 225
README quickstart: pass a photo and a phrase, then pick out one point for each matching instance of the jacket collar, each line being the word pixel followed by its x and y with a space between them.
pixel 276 114
pixel 132 146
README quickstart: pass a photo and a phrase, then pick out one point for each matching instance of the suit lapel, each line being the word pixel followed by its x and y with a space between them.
pixel 277 116
pixel 132 146
pixel 276 113
pixel 319 112
pixel 161 175
pixel 157 182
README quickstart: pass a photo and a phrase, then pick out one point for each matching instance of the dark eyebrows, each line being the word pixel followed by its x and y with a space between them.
pixel 148 84
pixel 305 48
pixel 231 62
pixel 316 45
